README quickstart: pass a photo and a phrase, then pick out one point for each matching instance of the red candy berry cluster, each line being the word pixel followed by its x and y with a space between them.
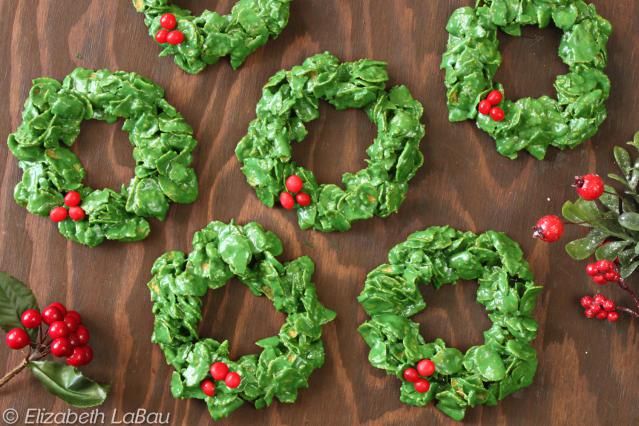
pixel 416 375
pixel 489 106
pixel 603 272
pixel 66 337
pixel 220 371
pixel 599 307
pixel 72 200
pixel 168 33
pixel 294 185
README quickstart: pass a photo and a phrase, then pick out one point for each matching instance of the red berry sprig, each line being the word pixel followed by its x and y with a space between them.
pixel 599 307
pixel 603 271
pixel 168 33
pixel 72 201
pixel 294 185
pixel 417 375
pixel 549 228
pixel 219 372
pixel 489 106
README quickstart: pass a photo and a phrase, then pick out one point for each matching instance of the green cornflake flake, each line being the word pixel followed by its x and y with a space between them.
pixel 222 251
pixel 291 99
pixel 162 145
pixel 472 58
pixel 504 363
pixel 211 36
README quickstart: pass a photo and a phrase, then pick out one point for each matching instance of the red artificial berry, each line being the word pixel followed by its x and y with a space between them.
pixel 58 214
pixel 613 316
pixel 421 385
pixel 604 266
pixel 88 354
pixel 411 375
pixel 72 322
pixel 219 370
pixel 208 387
pixel 608 305
pixel 161 36
pixel 484 107
pixel 287 201
pixel 61 347
pixel 497 114
pixel 31 318
pixel 426 368
pixel 75 315
pixel 589 313
pixel 72 199
pixel 58 329
pixel 232 380
pixel 168 21
pixel 591 269
pixel 494 97
pixel 602 315
pixel 59 306
pixel 17 338
pixel 83 335
pixel 589 187
pixel 586 301
pixel 51 314
pixel 549 228
pixel 294 184
pixel 175 37
pixel 600 279
pixel 76 358
pixel 599 298
pixel 611 276
pixel 595 308
pixel 74 341
pixel 303 199
pixel 77 214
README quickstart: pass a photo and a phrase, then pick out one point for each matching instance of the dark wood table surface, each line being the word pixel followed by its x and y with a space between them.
pixel 587 369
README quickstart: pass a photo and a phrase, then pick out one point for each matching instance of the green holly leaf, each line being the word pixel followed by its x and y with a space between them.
pixel 15 298
pixel 69 384
pixel 629 220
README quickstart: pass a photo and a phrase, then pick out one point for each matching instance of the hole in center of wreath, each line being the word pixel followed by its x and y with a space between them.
pixel 336 143
pixel 105 153
pixel 530 63
pixel 197 7
pixel 453 314
pixel 233 313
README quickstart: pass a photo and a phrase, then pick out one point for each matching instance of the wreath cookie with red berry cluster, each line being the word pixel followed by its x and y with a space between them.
pixel 203 368
pixel 472 58
pixel 485 374
pixel 52 182
pixel 198 41
pixel 291 99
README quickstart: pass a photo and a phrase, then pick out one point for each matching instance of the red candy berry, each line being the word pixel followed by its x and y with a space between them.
pixel 51 314
pixel 589 313
pixel 497 114
pixel 161 36
pixel 591 269
pixel 294 184
pixel 287 201
pixel 586 301
pixel 608 305
pixel 613 316
pixel 589 187
pixel 602 315
pixel 72 199
pixel 604 266
pixel 168 21
pixel 219 370
pixel 421 385
pixel 82 333
pixel 612 276
pixel 599 279
pixel 88 354
pixel 77 214
pixel 494 97
pixel 426 368
pixel 74 341
pixel 175 37
pixel 303 199
pixel 17 338
pixel 411 375
pixel 232 380
pixel 484 107
pixel 208 387
pixel 549 228
pixel 58 329
pixel 61 347
pixel 71 322
pixel 599 298
pixel 75 315
pixel 31 318
pixel 59 306
pixel 58 214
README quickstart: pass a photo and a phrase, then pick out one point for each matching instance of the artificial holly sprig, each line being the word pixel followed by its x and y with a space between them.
pixel 612 216
pixel 53 331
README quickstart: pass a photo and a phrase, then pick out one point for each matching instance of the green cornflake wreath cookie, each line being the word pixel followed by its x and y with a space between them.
pixel 162 144
pixel 485 374
pixel 472 58
pixel 248 252
pixel 198 41
pixel 291 98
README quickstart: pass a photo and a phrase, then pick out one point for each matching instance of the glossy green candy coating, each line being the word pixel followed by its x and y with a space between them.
pixel 485 374
pixel 162 144
pixel 211 36
pixel 472 58
pixel 222 251
pixel 291 99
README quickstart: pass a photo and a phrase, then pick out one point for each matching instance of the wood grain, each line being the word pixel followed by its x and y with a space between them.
pixel 587 372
